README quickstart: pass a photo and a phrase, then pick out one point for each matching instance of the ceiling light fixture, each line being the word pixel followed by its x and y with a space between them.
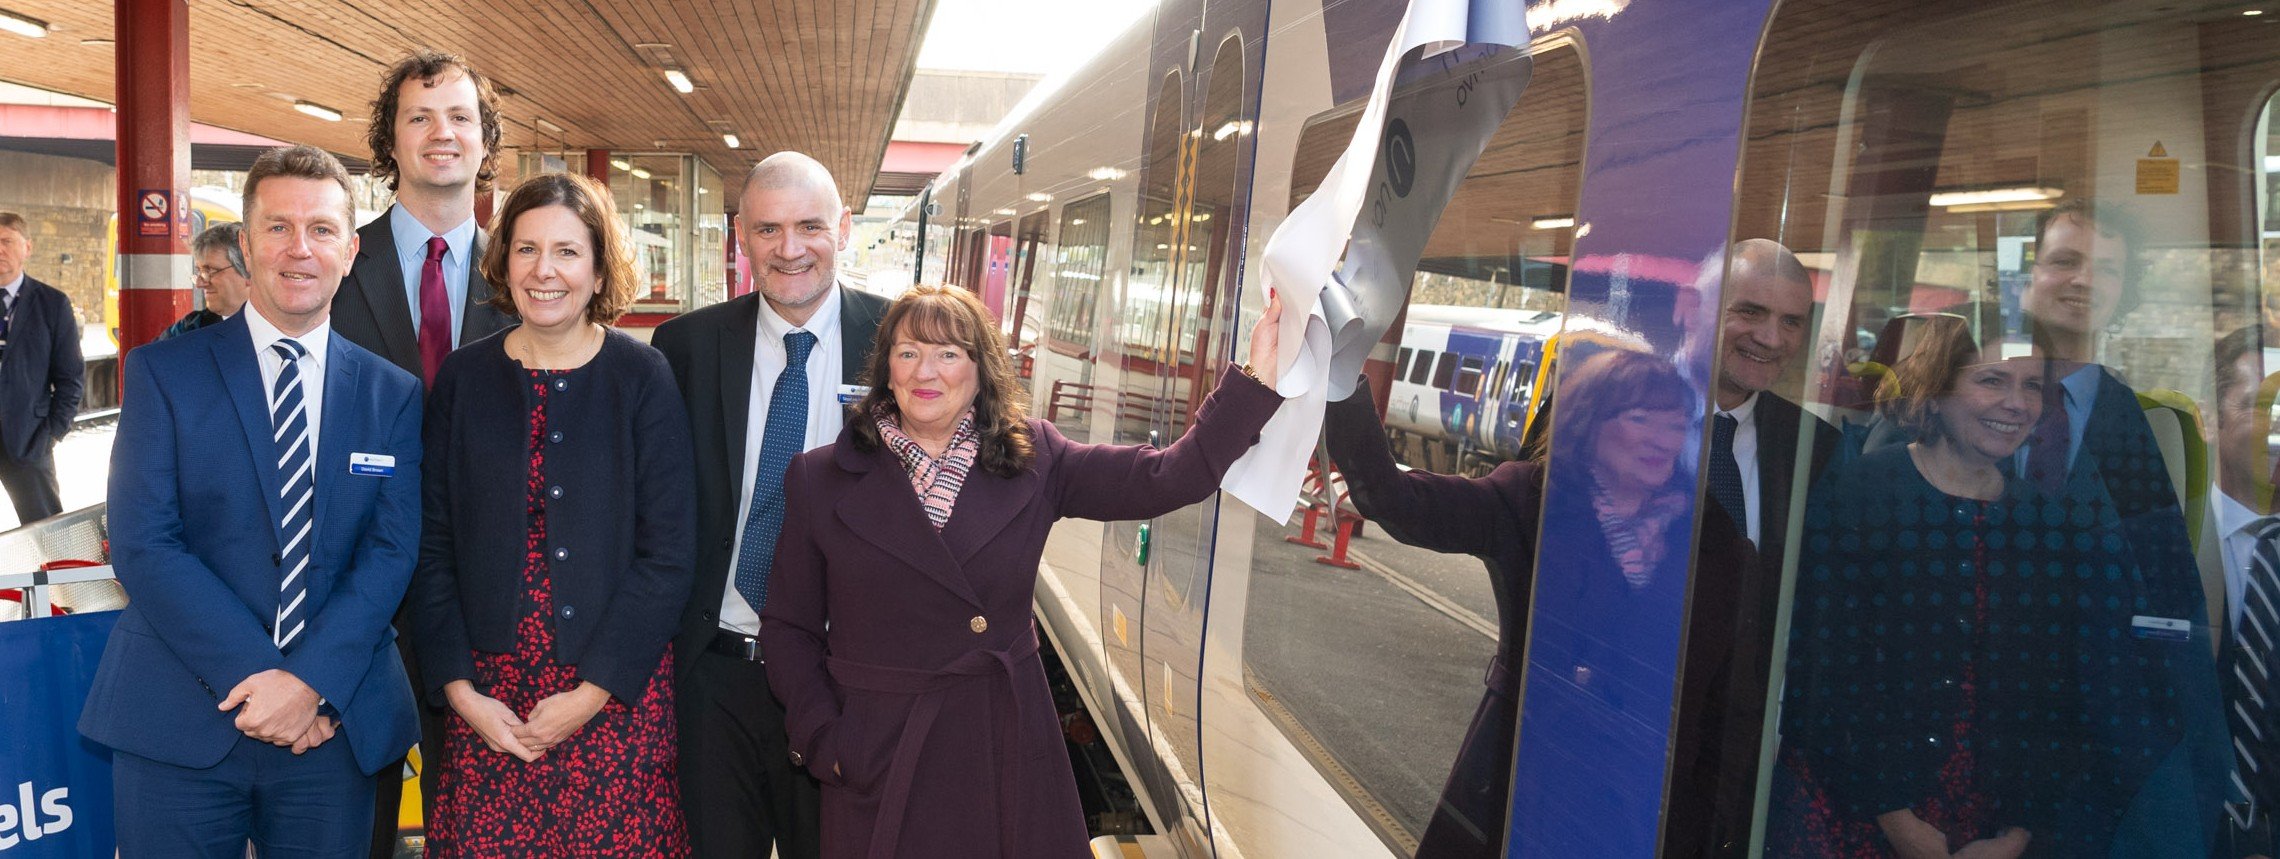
pixel 1040 197
pixel 317 110
pixel 732 141
pixel 1552 222
pixel 22 26
pixel 551 128
pixel 621 164
pixel 680 81
pixel 639 173
pixel 1995 196
pixel 97 43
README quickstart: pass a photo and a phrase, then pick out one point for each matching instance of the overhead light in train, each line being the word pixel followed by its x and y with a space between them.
pixel 621 164
pixel 1995 196
pixel 639 173
pixel 1163 247
pixel 1005 212
pixel 732 141
pixel 1105 174
pixel 1040 197
pixel 1553 222
pixel 550 128
pixel 680 81
pixel 2251 13
pixel 317 110
pixel 22 26
pixel 1076 222
pixel 1202 216
pixel 1231 129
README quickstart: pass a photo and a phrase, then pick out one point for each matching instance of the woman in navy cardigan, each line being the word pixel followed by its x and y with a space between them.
pixel 556 554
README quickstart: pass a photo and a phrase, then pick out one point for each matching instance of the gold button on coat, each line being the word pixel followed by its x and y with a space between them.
pixel 980 624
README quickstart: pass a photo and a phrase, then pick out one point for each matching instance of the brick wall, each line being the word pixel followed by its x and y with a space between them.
pixel 65 202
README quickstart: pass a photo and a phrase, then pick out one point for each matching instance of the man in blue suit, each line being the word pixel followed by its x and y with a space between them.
pixel 252 688
pixel 40 375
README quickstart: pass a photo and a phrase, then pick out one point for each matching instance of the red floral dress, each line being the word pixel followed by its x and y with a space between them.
pixel 610 789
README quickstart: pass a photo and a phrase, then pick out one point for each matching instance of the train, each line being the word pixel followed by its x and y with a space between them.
pixel 1257 703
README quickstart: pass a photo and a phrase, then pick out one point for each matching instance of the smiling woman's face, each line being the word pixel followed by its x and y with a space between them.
pixel 933 383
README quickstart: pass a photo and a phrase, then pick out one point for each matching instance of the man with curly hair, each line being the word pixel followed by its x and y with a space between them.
pixel 415 292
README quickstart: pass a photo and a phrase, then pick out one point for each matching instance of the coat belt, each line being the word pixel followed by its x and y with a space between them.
pixel 996 666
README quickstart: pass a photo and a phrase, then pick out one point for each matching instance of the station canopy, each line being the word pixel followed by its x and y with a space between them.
pixel 825 77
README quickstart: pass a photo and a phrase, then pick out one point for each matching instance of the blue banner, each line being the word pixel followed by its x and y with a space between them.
pixel 55 786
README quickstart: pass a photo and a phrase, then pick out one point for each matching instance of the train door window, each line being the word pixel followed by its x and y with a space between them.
pixel 1021 328
pixel 1372 659
pixel 1468 377
pixel 2005 256
pixel 997 268
pixel 1065 365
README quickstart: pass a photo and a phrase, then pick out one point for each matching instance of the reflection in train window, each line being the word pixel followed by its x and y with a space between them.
pixel 2030 490
pixel 1371 659
pixel 1065 365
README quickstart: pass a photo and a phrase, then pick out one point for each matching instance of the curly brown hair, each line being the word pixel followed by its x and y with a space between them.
pixel 1943 349
pixel 430 68
pixel 950 316
pixel 613 253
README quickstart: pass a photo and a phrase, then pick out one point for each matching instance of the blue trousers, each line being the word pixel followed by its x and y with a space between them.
pixel 317 804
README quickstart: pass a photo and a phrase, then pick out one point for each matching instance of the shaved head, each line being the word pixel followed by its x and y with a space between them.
pixel 1768 304
pixel 785 171
pixel 1766 258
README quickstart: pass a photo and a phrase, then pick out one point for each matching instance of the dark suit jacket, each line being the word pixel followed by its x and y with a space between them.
pixel 710 351
pixel 194 513
pixel 41 373
pixel 923 706
pixel 617 453
pixel 371 311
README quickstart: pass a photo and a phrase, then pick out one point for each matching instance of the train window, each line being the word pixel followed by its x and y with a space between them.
pixel 1424 367
pixel 1370 652
pixel 1445 373
pixel 1468 377
pixel 1995 329
pixel 1065 365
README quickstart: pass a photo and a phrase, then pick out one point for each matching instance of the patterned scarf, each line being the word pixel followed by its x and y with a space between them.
pixel 1637 539
pixel 936 481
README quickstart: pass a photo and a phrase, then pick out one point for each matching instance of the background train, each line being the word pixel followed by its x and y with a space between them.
pixel 1261 704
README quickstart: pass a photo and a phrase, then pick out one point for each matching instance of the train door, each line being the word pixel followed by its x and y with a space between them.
pixel 1174 333
pixel 997 267
pixel 1021 329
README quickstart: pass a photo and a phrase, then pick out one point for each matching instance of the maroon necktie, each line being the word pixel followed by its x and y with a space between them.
pixel 435 312
pixel 2053 436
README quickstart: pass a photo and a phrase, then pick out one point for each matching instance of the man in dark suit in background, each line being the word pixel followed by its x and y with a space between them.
pixel 739 788
pixel 40 376
pixel 1752 473
pixel 416 291
pixel 262 569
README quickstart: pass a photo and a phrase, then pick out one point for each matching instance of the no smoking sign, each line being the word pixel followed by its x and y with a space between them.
pixel 154 213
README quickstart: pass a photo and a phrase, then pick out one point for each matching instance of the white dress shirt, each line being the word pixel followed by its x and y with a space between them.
pixel 2237 523
pixel 825 418
pixel 411 255
pixel 312 368
pixel 1746 458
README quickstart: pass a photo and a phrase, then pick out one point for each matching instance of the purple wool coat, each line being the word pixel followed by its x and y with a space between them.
pixel 907 659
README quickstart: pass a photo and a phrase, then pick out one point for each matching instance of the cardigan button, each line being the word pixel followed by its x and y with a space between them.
pixel 979 624
pixel 555 436
pixel 562 554
pixel 569 611
pixel 562 384
pixel 554 492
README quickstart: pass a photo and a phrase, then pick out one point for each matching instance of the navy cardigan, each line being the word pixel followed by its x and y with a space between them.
pixel 619 516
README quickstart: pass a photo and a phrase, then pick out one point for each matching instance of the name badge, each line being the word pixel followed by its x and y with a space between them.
pixel 848 394
pixel 2160 628
pixel 372 464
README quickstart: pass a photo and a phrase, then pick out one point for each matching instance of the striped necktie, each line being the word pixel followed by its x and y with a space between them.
pixel 2249 687
pixel 296 465
pixel 786 436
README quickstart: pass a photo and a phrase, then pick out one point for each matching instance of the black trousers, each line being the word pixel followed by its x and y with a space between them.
pixel 388 787
pixel 30 483
pixel 739 789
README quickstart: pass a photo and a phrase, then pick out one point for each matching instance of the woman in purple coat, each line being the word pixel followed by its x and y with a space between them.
pixel 898 626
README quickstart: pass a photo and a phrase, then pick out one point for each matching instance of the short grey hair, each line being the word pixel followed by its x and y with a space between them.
pixel 222 237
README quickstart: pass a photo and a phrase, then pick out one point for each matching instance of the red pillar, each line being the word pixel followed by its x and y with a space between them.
pixel 153 76
pixel 598 166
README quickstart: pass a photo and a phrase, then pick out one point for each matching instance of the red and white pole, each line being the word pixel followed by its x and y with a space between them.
pixel 154 166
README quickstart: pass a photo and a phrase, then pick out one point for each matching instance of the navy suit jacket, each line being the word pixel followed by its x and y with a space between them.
pixel 41 374
pixel 194 537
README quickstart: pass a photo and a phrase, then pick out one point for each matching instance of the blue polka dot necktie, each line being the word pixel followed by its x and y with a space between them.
pixel 785 436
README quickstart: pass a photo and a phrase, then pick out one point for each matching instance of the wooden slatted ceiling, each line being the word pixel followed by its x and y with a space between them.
pixel 824 77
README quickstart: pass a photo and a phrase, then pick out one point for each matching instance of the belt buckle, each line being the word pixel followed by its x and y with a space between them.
pixel 737 644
